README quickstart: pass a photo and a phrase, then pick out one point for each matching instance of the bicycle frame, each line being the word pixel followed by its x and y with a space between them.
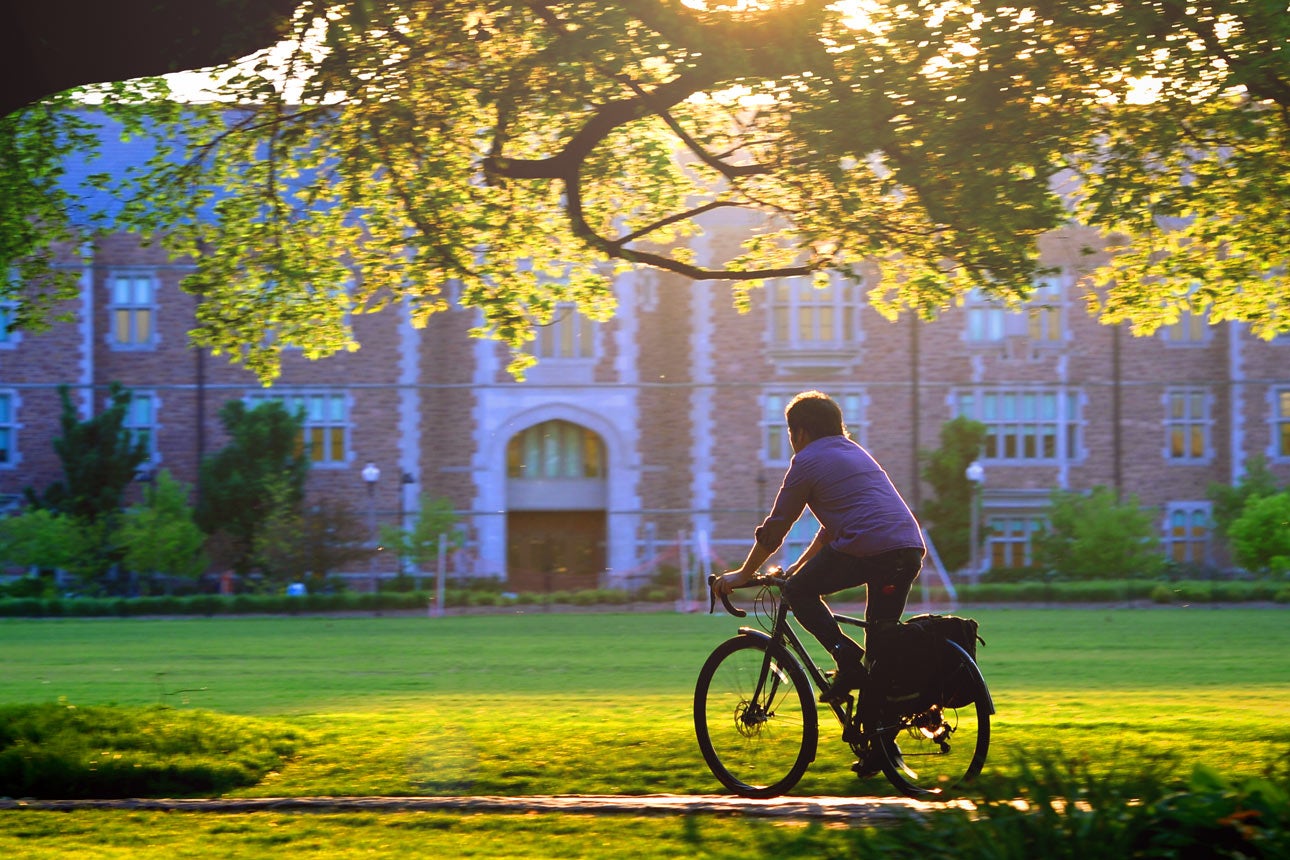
pixel 783 636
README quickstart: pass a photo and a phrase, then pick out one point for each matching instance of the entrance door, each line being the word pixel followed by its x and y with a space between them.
pixel 555 550
pixel 555 498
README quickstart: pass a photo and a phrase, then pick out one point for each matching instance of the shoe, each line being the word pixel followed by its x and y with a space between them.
pixel 869 766
pixel 848 677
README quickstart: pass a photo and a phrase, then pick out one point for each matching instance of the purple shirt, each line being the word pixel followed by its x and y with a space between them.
pixel 859 510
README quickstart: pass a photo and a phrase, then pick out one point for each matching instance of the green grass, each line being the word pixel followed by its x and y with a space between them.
pixel 600 704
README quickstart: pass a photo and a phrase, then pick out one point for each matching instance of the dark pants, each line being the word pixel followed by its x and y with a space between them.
pixel 887 576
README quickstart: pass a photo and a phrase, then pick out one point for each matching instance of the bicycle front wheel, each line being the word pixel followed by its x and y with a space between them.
pixel 755 717
pixel 930 753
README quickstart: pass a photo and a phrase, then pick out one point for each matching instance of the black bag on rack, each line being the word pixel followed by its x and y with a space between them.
pixel 914 667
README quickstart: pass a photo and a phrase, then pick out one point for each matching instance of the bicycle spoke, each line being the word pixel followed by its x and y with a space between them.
pixel 757 744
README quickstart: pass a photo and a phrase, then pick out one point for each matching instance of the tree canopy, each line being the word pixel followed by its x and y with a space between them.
pixel 523 153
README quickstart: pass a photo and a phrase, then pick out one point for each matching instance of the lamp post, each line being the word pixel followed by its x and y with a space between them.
pixel 372 474
pixel 975 473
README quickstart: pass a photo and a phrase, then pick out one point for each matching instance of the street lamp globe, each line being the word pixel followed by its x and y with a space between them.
pixel 371 474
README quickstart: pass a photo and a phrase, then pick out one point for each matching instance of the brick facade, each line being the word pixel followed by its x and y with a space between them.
pixel 676 391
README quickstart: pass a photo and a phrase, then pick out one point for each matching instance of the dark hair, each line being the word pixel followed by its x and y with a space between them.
pixel 816 413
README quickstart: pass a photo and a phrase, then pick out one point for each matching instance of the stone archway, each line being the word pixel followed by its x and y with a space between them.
pixel 556 522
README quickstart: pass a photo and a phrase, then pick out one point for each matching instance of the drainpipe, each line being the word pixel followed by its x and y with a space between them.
pixel 1117 441
pixel 915 412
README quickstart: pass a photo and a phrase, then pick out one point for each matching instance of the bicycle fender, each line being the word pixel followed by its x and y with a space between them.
pixel 755 633
pixel 989 698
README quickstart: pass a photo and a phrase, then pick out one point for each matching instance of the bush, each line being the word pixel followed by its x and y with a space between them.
pixel 1148 815
pixel 1094 536
pixel 64 751
pixel 1260 536
pixel 29 586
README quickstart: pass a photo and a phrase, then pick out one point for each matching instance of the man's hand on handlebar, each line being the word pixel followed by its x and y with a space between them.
pixel 727 582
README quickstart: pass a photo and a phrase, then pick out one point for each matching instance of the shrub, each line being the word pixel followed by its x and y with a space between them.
pixel 56 750
pixel 1147 815
pixel 1094 536
pixel 481 598
pixel 1260 536
pixel 1230 500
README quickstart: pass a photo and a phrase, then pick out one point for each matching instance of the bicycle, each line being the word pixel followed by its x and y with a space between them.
pixel 756 717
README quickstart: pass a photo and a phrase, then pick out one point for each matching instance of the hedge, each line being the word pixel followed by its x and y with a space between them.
pixel 1114 591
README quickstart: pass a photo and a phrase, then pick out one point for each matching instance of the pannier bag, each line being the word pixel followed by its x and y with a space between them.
pixel 911 662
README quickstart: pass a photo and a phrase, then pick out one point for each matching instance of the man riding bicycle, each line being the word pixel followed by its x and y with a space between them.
pixel 868 536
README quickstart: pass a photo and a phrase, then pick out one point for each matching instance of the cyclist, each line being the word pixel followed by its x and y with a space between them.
pixel 868 536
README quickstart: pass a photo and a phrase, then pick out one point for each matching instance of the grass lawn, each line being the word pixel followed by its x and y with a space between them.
pixel 600 704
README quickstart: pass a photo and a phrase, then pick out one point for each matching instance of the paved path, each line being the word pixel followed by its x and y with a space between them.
pixel 874 810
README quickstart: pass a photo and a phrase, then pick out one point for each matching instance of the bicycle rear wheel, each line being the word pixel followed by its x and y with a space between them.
pixel 755 717
pixel 931 752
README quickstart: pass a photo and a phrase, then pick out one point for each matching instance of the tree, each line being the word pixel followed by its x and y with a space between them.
pixel 949 511
pixel 1260 536
pixel 237 482
pixel 1093 536
pixel 435 519
pixel 160 536
pixel 299 545
pixel 100 458
pixel 164 36
pixel 41 539
pixel 514 149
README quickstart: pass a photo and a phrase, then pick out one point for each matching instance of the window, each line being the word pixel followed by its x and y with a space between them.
pixel 1281 423
pixel 568 335
pixel 1040 425
pixel 8 338
pixel 8 430
pixel 1187 532
pixel 1044 312
pixel 1186 425
pixel 326 423
pixel 985 318
pixel 1192 328
pixel 777 450
pixel 1010 540
pixel 806 315
pixel 132 307
pixel 555 449
pixel 989 320
pixel 799 537
pixel 140 421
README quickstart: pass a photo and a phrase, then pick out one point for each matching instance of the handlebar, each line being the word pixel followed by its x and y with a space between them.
pixel 725 600
pixel 773 576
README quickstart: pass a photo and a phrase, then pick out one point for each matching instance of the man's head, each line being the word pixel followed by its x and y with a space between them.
pixel 813 415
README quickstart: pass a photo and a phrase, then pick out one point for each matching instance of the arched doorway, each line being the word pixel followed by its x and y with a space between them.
pixel 556 490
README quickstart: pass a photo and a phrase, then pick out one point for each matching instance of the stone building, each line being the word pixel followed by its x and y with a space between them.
pixel 665 424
